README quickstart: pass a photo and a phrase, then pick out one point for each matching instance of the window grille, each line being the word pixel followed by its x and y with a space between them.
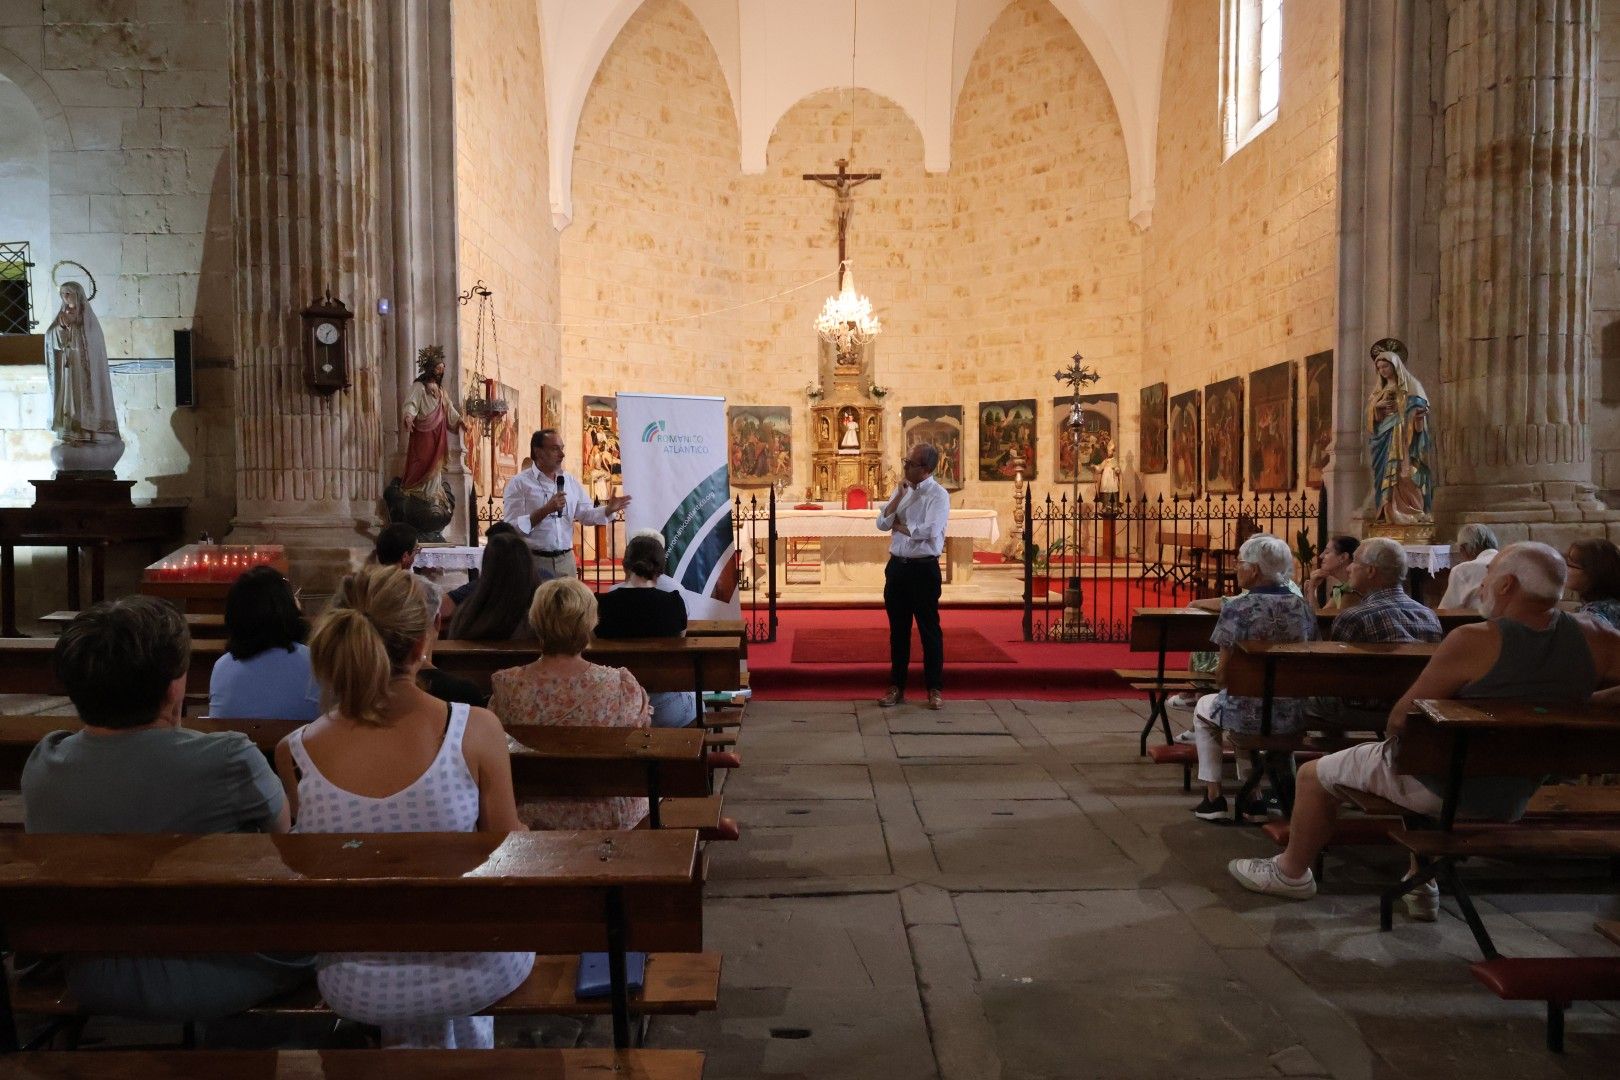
pixel 16 289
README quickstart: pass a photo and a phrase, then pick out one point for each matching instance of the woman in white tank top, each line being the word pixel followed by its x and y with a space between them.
pixel 391 758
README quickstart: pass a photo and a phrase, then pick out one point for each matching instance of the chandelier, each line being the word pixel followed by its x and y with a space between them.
pixel 847 322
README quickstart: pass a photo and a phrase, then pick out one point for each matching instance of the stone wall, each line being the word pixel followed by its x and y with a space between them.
pixel 1044 262
pixel 1239 267
pixel 1604 398
pixel 506 237
pixel 133 98
pixel 655 232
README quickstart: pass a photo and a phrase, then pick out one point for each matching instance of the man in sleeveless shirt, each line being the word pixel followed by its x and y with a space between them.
pixel 1527 649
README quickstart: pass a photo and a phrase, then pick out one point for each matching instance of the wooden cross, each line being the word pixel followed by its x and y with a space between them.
pixel 842 183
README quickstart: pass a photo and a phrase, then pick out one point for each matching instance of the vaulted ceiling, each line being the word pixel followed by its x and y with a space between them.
pixel 914 52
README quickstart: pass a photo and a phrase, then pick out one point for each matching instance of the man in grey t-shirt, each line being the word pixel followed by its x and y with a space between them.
pixel 134 769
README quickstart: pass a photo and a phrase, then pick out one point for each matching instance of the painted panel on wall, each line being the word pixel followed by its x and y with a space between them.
pixel 942 426
pixel 1186 444
pixel 1223 436
pixel 1006 436
pixel 599 466
pixel 1153 453
pixel 761 439
pixel 1318 415
pixel 1099 425
pixel 1272 428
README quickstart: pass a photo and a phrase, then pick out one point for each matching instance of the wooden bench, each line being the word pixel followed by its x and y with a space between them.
pixel 202 627
pixel 360 1065
pixel 658 763
pixel 553 892
pixel 1560 981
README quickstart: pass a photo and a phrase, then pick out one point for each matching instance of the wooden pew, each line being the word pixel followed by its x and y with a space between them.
pixel 678 664
pixel 201 626
pixel 360 1064
pixel 660 763
pixel 556 893
pixel 1461 740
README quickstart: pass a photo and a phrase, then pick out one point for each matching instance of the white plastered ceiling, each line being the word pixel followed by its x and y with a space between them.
pixel 914 52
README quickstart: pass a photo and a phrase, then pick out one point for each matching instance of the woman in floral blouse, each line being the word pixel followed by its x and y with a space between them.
pixel 1267 611
pixel 564 689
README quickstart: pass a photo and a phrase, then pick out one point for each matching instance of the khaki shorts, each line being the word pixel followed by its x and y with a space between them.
pixel 1369 767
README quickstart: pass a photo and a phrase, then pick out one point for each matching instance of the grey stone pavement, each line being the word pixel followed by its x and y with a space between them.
pixel 1004 889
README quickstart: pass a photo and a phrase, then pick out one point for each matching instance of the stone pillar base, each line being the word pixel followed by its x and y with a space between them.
pixel 1553 512
pixel 320 551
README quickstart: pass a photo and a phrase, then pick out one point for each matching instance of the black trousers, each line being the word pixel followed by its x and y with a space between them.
pixel 911 591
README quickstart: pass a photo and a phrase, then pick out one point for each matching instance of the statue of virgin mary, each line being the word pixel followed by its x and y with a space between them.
pixel 1400 440
pixel 82 413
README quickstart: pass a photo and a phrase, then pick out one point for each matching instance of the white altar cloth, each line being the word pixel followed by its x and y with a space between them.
pixel 448 557
pixel 853 551
pixel 1430 557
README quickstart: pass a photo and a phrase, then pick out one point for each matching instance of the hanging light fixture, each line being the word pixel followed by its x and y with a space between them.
pixel 846 321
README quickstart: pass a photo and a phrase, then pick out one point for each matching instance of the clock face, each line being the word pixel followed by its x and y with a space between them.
pixel 326 333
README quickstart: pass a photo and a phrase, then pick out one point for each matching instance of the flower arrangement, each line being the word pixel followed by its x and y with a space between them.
pixel 877 391
pixel 813 392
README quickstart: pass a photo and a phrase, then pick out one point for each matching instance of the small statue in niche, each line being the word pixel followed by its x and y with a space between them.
pixel 871 430
pixel 850 443
pixel 826 432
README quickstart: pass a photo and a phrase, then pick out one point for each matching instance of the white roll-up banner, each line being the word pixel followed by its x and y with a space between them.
pixel 673 452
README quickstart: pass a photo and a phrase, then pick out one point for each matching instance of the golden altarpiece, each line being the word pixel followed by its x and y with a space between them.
pixel 846 427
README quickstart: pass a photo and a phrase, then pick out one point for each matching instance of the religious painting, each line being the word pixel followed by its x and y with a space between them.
pixel 1099 426
pixel 507 438
pixel 1186 444
pixel 1223 436
pixel 551 408
pixel 599 466
pixel 1007 439
pixel 942 426
pixel 1272 428
pixel 761 444
pixel 1318 415
pixel 1152 451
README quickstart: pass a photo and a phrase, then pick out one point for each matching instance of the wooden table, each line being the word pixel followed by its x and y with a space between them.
pixel 74 527
pixel 571 1064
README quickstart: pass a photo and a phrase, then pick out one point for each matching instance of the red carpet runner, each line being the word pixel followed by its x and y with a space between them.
pixel 869 645
pixel 1042 672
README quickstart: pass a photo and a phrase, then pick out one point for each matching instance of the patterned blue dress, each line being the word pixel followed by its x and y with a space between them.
pixel 418 999
pixel 1267 614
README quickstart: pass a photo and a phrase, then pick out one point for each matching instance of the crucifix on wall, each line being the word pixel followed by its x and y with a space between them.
pixel 843 183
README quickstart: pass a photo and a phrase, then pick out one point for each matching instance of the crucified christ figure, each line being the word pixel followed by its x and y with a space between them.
pixel 842 183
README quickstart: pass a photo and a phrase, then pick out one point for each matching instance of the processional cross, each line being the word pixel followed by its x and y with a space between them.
pixel 843 182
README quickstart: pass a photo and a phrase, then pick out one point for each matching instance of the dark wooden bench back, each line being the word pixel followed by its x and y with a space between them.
pixel 420 892
pixel 1509 738
pixel 1325 668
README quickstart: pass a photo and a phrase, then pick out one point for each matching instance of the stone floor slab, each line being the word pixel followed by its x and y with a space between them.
pixel 932 745
pixel 953 721
pixel 981 782
pixel 800 782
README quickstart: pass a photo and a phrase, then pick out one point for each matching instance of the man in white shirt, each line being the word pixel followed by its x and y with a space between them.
pixel 1476 546
pixel 543 502
pixel 915 514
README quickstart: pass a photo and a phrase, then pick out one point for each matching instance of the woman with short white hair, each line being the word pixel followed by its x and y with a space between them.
pixel 1476 546
pixel 1267 611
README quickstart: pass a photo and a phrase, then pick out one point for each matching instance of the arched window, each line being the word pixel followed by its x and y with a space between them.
pixel 1251 68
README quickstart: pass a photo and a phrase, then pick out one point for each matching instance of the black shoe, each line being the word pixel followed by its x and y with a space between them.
pixel 1258 812
pixel 1212 809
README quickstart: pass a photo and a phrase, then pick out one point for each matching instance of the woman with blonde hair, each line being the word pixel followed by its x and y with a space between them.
pixel 564 689
pixel 389 757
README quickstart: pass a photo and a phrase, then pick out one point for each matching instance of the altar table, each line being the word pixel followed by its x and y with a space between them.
pixel 853 551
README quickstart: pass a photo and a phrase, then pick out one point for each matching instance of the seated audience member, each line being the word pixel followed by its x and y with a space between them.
pixel 564 689
pixel 1475 548
pixel 1527 649
pixel 461 592
pixel 397 545
pixel 389 757
pixel 639 608
pixel 1329 587
pixel 264 672
pixel 1387 615
pixel 1594 576
pixel 1266 611
pixel 1206 663
pixel 497 609
pixel 134 769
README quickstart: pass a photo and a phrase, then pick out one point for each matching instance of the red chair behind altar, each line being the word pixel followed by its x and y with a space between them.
pixel 855 498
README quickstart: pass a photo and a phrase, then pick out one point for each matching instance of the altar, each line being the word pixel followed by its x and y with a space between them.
pixel 854 552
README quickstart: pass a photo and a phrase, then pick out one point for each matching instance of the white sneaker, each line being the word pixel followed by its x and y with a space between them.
pixel 1423 903
pixel 1186 737
pixel 1262 876
pixel 1182 701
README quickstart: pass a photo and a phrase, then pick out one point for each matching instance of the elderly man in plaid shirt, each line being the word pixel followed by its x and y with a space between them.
pixel 1387 614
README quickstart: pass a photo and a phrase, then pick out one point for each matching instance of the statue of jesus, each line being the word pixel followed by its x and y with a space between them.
pixel 430 416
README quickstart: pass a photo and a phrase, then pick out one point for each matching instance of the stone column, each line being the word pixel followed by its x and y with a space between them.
pixel 1516 248
pixel 305 169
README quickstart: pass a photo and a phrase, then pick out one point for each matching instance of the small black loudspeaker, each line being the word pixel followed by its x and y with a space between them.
pixel 185 382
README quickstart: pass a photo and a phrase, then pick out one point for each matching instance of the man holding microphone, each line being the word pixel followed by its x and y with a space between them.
pixel 915 516
pixel 543 502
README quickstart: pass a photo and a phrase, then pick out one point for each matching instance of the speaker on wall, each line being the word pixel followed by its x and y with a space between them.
pixel 185 383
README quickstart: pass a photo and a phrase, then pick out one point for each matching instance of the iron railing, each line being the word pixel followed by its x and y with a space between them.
pixel 1089 563
pixel 755 525
pixel 16 289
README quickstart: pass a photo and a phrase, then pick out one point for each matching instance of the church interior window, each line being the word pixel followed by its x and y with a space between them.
pixel 1251 68
pixel 16 302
